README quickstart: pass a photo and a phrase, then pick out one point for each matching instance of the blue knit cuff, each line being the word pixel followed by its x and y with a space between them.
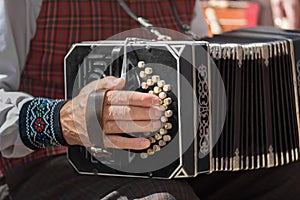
pixel 39 123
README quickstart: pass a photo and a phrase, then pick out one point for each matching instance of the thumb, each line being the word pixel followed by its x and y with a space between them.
pixel 118 84
pixel 109 82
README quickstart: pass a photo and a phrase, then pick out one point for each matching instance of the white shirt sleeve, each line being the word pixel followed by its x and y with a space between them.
pixel 17 28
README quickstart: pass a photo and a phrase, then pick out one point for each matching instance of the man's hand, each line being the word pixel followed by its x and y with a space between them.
pixel 123 112
pixel 286 9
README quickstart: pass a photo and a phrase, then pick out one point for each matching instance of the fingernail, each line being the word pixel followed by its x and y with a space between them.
pixel 155 100
pixel 155 112
pixel 158 112
pixel 156 124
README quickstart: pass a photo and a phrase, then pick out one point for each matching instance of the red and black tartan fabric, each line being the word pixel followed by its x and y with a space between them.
pixel 62 23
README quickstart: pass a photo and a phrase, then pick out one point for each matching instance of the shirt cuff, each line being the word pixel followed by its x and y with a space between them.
pixel 39 123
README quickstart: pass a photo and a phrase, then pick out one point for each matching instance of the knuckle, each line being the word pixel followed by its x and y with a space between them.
pixel 131 112
pixel 144 98
pixel 125 111
pixel 107 115
pixel 107 127
pixel 110 113
pixel 114 97
pixel 120 98
pixel 119 112
pixel 148 112
pixel 108 97
pixel 125 126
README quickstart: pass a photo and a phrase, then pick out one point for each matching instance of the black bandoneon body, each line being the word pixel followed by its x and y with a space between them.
pixel 235 101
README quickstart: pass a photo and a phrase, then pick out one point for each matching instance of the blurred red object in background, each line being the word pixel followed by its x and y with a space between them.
pixel 223 16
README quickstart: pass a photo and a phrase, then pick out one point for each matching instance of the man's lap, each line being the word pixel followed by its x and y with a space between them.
pixel 274 183
pixel 56 179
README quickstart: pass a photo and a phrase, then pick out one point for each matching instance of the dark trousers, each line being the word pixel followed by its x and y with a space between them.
pixel 56 179
pixel 273 183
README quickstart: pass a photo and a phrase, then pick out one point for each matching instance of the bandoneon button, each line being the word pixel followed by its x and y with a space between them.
pixel 141 64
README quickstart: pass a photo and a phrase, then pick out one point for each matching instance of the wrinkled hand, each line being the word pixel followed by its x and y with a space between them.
pixel 124 112
pixel 288 9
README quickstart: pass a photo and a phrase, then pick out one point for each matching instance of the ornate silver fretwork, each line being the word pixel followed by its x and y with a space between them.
pixel 236 160
pixel 203 100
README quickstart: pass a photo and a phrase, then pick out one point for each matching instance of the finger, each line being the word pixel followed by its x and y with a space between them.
pixel 111 127
pixel 131 113
pixel 131 98
pixel 277 10
pixel 292 12
pixel 116 141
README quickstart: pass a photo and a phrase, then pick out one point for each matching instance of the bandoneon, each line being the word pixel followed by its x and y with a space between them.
pixel 229 103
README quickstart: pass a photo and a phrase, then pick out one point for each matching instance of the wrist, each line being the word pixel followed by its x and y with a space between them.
pixel 68 125
pixel 73 127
